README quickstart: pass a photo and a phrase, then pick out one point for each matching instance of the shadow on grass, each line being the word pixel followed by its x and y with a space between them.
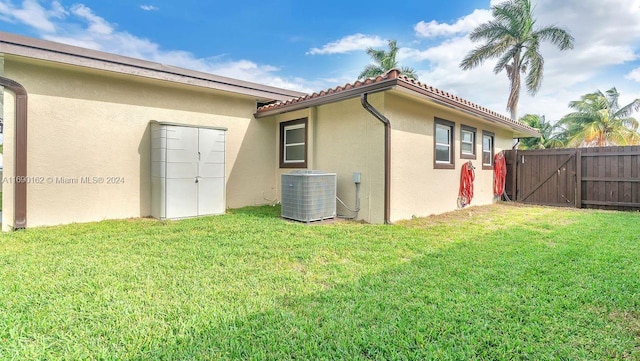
pixel 464 301
pixel 258 211
pixel 553 289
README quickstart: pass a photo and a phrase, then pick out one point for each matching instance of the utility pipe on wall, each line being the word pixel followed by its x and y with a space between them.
pixel 20 190
pixel 356 180
pixel 387 154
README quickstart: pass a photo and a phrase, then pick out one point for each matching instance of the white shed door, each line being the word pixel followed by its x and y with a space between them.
pixel 182 170
pixel 211 184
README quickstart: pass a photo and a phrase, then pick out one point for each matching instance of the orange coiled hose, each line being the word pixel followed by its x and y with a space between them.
pixel 499 174
pixel 467 175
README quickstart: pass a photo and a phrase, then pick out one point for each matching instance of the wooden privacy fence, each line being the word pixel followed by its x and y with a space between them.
pixel 602 177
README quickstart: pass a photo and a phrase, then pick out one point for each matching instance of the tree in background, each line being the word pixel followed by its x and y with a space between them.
pixel 551 135
pixel 385 61
pixel 513 39
pixel 599 120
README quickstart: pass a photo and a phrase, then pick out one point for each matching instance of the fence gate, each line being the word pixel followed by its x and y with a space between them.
pixel 604 177
pixel 547 178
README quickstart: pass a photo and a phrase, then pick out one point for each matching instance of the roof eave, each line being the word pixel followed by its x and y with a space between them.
pixel 330 98
pixel 27 47
pixel 520 130
pixel 526 134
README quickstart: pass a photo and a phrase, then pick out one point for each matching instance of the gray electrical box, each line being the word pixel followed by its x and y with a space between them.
pixel 187 171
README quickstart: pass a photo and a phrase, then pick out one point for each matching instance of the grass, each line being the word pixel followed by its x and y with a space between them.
pixel 485 283
pixel 1 145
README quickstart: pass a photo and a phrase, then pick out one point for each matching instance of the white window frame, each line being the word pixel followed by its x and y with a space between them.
pixel 448 144
pixel 285 129
pixel 449 127
pixel 463 154
pixel 285 145
pixel 491 138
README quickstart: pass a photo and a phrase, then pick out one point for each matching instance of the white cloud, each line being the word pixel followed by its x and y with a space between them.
pixel 349 43
pixel 82 27
pixel 149 8
pixel 607 35
pixel 607 39
pixel 463 25
pixel 96 24
pixel 480 85
pixel 634 75
pixel 31 13
pixel 57 10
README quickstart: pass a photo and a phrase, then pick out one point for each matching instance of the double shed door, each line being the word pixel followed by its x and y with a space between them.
pixel 195 175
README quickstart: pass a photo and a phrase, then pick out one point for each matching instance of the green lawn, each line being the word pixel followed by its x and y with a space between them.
pixel 488 283
pixel 1 145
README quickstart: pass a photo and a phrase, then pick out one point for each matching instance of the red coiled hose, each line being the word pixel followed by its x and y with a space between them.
pixel 467 175
pixel 499 174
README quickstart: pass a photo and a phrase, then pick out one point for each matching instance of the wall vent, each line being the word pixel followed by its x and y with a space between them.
pixel 308 195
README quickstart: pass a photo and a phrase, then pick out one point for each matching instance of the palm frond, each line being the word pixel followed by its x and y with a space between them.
pixel 598 120
pixel 631 123
pixel 551 135
pixel 383 61
pixel 512 12
pixel 511 30
pixel 557 36
pixel 371 71
pixel 478 55
pixel 378 56
pixel 612 95
pixel 629 109
pixel 409 72
pixel 490 31
pixel 535 63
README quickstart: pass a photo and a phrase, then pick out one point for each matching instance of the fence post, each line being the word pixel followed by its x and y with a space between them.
pixel 579 179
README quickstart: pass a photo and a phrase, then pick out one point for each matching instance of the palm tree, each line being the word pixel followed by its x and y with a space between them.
pixel 599 120
pixel 551 135
pixel 513 39
pixel 385 61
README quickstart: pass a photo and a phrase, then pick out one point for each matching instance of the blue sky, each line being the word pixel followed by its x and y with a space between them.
pixel 310 46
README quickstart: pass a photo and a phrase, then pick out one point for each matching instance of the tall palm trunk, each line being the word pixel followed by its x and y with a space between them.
pixel 514 97
pixel 513 73
pixel 512 39
pixel 602 140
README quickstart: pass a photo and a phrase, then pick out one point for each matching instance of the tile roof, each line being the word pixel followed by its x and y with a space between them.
pixel 393 78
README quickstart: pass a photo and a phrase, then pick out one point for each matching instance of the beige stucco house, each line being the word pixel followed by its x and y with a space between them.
pixel 408 141
pixel 77 136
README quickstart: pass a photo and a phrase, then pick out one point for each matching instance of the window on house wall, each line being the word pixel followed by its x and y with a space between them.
pixel 293 144
pixel 487 149
pixel 467 142
pixel 443 145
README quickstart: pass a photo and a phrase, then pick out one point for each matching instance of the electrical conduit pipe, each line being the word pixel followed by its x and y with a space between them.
pixel 387 154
